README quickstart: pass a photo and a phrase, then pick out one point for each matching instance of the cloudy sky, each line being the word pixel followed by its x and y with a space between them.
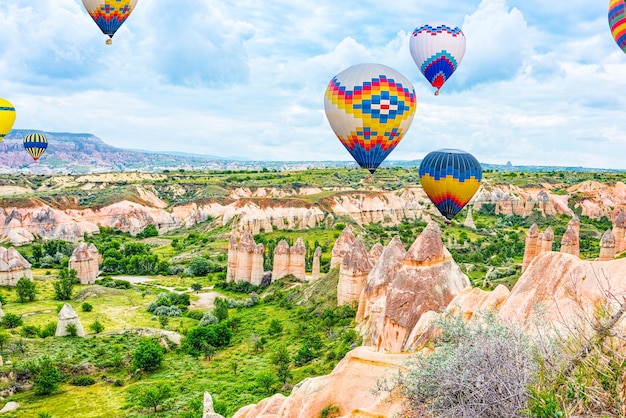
pixel 542 82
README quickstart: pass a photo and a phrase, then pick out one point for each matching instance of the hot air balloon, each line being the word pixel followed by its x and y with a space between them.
pixel 35 145
pixel 7 117
pixel 437 49
pixel 370 107
pixel 617 22
pixel 450 177
pixel 109 15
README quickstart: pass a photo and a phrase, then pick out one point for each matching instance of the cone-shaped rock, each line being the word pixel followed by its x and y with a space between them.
pixel 355 267
pixel 67 316
pixel 341 247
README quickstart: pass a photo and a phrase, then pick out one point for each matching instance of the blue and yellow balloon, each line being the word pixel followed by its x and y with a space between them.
pixel 35 144
pixel 450 178
pixel 7 117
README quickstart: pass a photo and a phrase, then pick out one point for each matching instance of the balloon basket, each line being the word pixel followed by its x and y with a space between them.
pixel 437 93
pixel 368 179
pixel 109 41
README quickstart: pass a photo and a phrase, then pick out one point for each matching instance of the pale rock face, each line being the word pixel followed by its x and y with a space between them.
pixel 373 297
pixel 256 275
pixel 607 246
pixel 13 267
pixel 245 252
pixel 85 260
pixel 355 267
pixel 231 269
pixel 469 219
pixel 376 251
pixel 427 281
pixel 281 260
pixel 297 255
pixel 208 409
pixel 530 246
pixel 315 269
pixel 67 316
pixel 569 242
pixel 349 386
pixel 556 286
pixel 547 239
pixel 619 230
pixel 341 247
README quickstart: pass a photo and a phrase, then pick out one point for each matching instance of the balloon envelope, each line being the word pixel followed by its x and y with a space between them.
pixel 7 117
pixel 450 177
pixel 35 145
pixel 109 15
pixel 437 49
pixel 370 107
pixel 617 22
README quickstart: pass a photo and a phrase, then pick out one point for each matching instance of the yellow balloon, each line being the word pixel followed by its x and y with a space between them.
pixel 7 117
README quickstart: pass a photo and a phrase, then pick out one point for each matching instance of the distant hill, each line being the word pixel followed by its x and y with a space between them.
pixel 78 153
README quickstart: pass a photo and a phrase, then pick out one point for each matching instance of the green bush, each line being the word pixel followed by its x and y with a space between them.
pixel 82 381
pixel 72 330
pixel 86 307
pixel 25 289
pixel 96 327
pixel 217 335
pixel 29 331
pixel 148 355
pixel 11 320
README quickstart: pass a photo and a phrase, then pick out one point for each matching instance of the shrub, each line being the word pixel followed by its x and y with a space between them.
pixel 217 335
pixel 96 327
pixel 208 319
pixel 86 307
pixel 47 377
pixel 71 329
pixel 477 369
pixel 64 286
pixel 148 355
pixel 25 289
pixel 11 320
pixel 48 330
pixel 29 331
pixel 168 311
pixel 82 381
pixel 275 327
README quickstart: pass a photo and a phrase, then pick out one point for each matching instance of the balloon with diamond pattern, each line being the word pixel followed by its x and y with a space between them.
pixel 370 108
pixel 109 15
pixel 437 49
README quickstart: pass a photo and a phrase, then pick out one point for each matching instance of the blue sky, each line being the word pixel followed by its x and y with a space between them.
pixel 542 82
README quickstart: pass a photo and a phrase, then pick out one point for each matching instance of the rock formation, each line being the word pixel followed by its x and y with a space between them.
pixel 208 410
pixel 574 223
pixel 315 271
pixel 85 260
pixel 257 272
pixel 245 253
pixel 68 316
pixel 370 313
pixel 545 241
pixel 231 269
pixel 569 242
pixel 13 267
pixel 341 247
pixel 1 312
pixel 619 230
pixel 607 246
pixel 355 266
pixel 376 251
pixel 349 386
pixel 530 247
pixel 281 260
pixel 297 255
pixel 469 220
pixel 427 281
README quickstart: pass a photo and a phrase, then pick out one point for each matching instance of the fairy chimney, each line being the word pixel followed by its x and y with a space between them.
pixel 67 316
pixel 281 260
pixel 13 266
pixel 574 223
pixel 569 242
pixel 341 247
pixel 245 252
pixel 376 251
pixel 85 260
pixel 619 231
pixel 297 255
pixel 469 219
pixel 607 246
pixel 530 248
pixel 355 266
pixel 315 272
pixel 231 269
pixel 545 242
pixel 256 275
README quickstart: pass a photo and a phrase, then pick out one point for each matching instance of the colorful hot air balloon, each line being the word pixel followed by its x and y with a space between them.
pixel 7 117
pixel 370 107
pixel 437 49
pixel 109 15
pixel 35 145
pixel 450 177
pixel 617 22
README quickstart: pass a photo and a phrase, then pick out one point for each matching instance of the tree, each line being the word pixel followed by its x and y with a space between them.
pixel 265 380
pixel 196 287
pixel 275 327
pixel 151 396
pixel 148 355
pixel 217 335
pixel 96 327
pixel 280 357
pixel 47 377
pixel 221 309
pixel 11 320
pixel 199 266
pixel 25 289
pixel 64 286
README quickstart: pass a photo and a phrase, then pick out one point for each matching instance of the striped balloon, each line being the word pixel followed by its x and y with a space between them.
pixel 35 145
pixel 437 49
pixel 7 117
pixel 109 15
pixel 370 107
pixel 450 177
pixel 617 22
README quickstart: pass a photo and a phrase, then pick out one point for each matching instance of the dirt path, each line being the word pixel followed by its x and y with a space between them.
pixel 205 300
